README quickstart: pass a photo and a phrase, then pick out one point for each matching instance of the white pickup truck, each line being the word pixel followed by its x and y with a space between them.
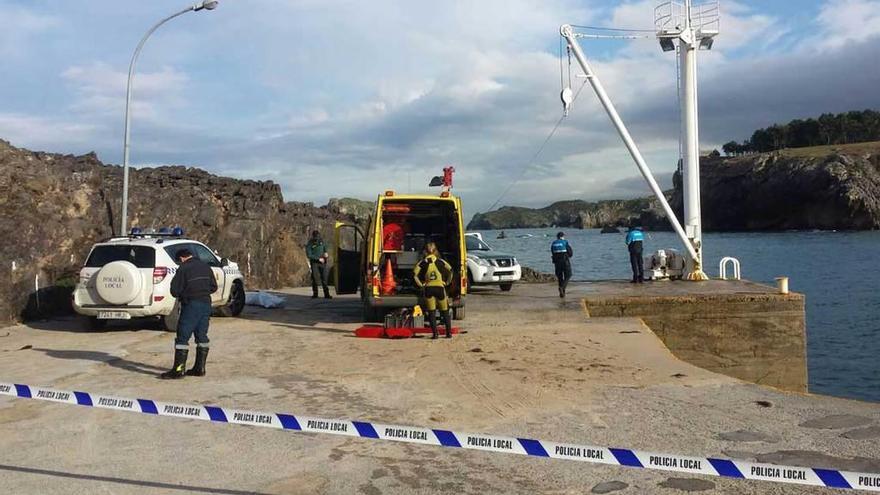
pixel 130 277
pixel 489 267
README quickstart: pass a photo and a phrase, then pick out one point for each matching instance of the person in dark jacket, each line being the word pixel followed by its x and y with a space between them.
pixel 316 251
pixel 634 240
pixel 561 252
pixel 192 285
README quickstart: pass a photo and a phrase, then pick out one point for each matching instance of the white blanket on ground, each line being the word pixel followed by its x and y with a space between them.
pixel 263 299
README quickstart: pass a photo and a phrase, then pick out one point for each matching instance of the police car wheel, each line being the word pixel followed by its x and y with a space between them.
pixel 235 305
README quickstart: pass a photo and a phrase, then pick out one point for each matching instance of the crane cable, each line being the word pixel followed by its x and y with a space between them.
pixel 600 28
pixel 537 154
pixel 534 158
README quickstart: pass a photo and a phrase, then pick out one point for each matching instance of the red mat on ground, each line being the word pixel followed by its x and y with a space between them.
pixel 377 332
pixel 369 332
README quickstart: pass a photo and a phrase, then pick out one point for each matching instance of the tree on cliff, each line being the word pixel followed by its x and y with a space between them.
pixel 828 129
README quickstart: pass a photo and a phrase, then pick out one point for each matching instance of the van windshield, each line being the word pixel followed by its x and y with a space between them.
pixel 139 256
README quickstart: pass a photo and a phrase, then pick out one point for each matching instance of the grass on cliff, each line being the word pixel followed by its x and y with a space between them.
pixel 823 151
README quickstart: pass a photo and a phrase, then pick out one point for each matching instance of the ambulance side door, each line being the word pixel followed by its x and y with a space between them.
pixel 348 255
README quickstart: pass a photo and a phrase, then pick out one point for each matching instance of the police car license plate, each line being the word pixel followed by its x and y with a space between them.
pixel 113 315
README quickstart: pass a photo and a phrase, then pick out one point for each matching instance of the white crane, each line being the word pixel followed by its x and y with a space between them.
pixel 694 27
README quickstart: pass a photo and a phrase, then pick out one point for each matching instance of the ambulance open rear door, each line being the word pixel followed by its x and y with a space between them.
pixel 348 259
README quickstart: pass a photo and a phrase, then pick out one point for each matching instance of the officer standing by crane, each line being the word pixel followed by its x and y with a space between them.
pixel 433 274
pixel 634 240
pixel 561 252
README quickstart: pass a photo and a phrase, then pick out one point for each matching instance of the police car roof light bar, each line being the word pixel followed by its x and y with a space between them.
pixel 137 232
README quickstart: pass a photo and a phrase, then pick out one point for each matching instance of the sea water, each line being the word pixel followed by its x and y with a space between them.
pixel 837 272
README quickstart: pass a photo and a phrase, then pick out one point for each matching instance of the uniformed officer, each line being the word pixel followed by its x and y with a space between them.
pixel 561 251
pixel 192 285
pixel 316 251
pixel 634 239
pixel 433 274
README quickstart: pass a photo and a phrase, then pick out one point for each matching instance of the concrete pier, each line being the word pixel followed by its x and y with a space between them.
pixel 529 365
pixel 738 328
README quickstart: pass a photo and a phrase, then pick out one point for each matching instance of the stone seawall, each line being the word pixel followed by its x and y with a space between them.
pixel 54 207
pixel 740 329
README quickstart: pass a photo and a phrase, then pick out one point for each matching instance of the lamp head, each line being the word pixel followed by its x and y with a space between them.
pixel 666 44
pixel 206 5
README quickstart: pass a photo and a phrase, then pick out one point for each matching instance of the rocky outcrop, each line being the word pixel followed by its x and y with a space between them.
pixel 531 276
pixel 803 189
pixel 575 214
pixel 53 207
pixel 790 191
pixel 359 210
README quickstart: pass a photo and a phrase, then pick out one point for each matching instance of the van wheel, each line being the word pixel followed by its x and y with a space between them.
pixel 458 313
pixel 506 287
pixel 235 305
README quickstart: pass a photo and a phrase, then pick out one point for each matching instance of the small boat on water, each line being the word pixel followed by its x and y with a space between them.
pixel 524 236
pixel 502 235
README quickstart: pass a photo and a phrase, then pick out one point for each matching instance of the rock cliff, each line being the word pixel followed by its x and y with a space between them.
pixel 53 207
pixel 827 188
pixel 791 190
pixel 575 214
pixel 359 210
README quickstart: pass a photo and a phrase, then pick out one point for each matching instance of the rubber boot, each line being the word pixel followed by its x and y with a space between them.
pixel 448 322
pixel 179 368
pixel 432 320
pixel 198 368
pixel 327 293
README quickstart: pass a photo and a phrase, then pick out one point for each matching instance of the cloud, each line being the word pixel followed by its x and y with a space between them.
pixel 44 133
pixel 100 89
pixel 338 98
pixel 20 28
pixel 848 21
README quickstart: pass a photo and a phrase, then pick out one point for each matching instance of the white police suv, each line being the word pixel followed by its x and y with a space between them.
pixel 489 267
pixel 130 277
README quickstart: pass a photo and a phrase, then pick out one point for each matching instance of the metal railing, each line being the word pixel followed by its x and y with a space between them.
pixel 722 268
pixel 670 17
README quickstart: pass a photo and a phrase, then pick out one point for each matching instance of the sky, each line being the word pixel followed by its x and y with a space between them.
pixel 333 98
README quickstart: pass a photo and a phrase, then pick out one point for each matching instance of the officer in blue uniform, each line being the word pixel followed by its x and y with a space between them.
pixel 634 239
pixel 561 251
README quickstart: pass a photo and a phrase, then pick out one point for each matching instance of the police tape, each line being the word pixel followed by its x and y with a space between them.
pixel 727 468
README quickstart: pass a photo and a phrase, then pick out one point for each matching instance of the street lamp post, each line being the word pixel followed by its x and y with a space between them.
pixel 204 5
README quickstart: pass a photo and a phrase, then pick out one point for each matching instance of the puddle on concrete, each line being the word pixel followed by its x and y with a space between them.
pixel 609 486
pixel 688 484
pixel 868 433
pixel 836 422
pixel 746 436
